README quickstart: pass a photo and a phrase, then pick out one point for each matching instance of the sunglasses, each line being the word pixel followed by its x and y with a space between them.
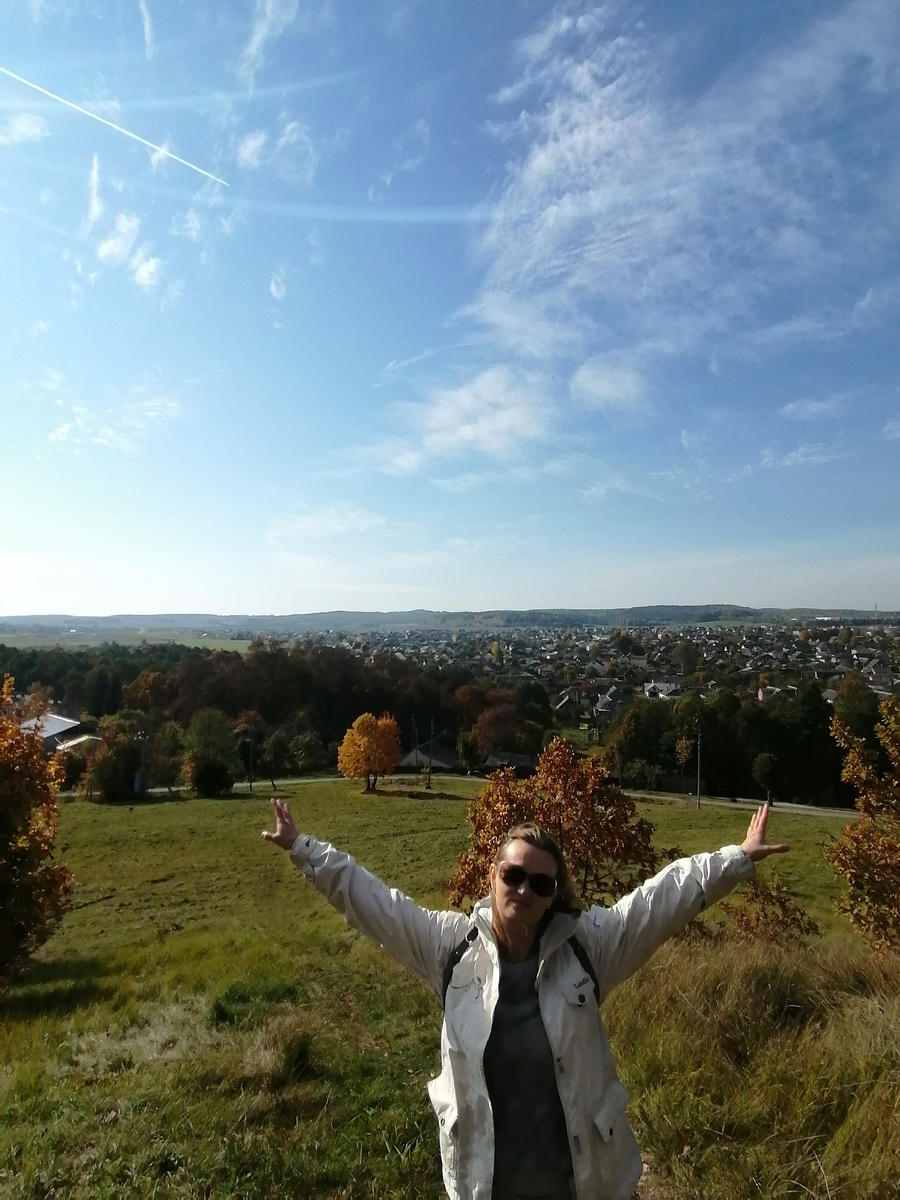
pixel 542 885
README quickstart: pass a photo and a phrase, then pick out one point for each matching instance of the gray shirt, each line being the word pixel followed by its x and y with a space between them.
pixel 531 1146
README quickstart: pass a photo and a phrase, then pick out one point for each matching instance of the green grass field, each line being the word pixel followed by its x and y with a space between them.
pixel 203 1025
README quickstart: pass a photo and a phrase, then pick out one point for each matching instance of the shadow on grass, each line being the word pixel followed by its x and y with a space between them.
pixel 54 988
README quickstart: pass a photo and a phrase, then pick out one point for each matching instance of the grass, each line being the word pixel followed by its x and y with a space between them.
pixel 203 1025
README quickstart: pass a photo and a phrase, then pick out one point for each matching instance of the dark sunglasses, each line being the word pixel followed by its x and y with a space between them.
pixel 513 876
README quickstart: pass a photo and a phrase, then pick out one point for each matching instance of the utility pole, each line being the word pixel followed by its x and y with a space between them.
pixel 699 736
pixel 430 745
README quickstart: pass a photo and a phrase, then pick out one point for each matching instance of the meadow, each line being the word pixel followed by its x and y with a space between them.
pixel 203 1025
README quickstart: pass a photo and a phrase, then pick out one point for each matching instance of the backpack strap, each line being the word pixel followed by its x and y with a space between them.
pixel 582 955
pixel 461 947
pixel 455 955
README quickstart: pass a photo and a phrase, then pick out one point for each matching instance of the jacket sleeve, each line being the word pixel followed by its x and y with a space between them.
pixel 420 939
pixel 623 937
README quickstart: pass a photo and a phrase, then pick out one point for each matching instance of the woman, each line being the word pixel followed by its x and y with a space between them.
pixel 528 1101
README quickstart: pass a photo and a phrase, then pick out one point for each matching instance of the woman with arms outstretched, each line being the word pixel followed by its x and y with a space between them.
pixel 528 1102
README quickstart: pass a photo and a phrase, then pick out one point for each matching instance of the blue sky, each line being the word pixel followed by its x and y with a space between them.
pixel 448 305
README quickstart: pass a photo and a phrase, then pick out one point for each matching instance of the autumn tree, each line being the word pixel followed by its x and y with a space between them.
pixel 371 747
pixel 867 857
pixel 209 753
pixel 34 891
pixel 607 845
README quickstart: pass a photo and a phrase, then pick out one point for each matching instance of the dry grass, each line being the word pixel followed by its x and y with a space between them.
pixel 204 1026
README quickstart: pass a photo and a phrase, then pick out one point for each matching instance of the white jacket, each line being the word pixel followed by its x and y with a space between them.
pixel 605 1157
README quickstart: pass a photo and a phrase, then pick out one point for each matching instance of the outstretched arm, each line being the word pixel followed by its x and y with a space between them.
pixel 625 936
pixel 420 939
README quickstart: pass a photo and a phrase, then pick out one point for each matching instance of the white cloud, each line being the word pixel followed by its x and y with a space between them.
pixel 123 423
pixel 38 328
pixel 323 524
pixel 610 386
pixel 813 455
pixel 145 268
pixel 653 207
pixel 249 151
pixel 117 247
pixel 149 44
pixel 23 127
pixel 295 157
pixel 811 410
pixel 494 414
pixel 892 429
pixel 160 155
pixel 188 225
pixel 277 284
pixel 96 207
pixel 271 19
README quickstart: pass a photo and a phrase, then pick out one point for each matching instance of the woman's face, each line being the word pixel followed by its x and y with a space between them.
pixel 519 906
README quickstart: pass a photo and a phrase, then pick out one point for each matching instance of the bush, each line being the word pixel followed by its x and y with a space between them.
pixel 34 892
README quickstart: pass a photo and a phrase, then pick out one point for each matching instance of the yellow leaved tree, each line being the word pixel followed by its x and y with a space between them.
pixel 867 857
pixel 607 845
pixel 371 747
pixel 34 891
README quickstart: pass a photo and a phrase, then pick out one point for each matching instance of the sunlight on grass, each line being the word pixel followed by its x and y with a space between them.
pixel 204 1025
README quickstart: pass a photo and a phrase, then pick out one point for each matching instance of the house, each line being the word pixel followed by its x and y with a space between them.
pixel 766 693
pixel 54 731
pixel 666 689
pixel 522 764
pixel 432 754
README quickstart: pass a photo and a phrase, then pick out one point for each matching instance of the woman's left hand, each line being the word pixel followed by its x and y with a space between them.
pixel 285 830
pixel 754 844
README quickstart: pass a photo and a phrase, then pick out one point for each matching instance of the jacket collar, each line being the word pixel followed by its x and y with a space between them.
pixel 560 929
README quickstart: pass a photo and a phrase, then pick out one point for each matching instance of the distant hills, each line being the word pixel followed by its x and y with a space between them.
pixel 498 620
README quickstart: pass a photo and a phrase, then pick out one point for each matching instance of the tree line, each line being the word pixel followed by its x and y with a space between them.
pixel 175 714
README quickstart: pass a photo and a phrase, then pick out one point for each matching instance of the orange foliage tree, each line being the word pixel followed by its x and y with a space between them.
pixel 607 845
pixel 371 747
pixel 34 892
pixel 867 857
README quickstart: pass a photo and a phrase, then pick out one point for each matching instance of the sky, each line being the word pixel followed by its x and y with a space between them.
pixel 312 304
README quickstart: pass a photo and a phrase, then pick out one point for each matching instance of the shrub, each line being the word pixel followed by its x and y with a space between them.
pixel 34 891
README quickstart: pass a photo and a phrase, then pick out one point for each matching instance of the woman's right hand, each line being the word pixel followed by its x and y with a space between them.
pixel 285 830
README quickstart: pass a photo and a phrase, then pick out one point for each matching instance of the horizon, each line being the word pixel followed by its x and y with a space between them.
pixel 385 307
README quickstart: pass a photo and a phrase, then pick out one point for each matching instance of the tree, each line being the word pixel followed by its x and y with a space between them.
pixel 867 857
pixel 309 752
pixel 766 772
pixel 607 846
pixel 166 752
pixel 208 762
pixel 371 747
pixel 35 892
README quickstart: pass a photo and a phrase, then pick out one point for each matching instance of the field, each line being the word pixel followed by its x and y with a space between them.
pixel 203 1025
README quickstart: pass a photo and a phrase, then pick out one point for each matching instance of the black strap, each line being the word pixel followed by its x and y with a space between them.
pixel 461 947
pixel 455 955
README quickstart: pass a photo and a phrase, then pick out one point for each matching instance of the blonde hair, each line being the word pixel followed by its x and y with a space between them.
pixel 534 835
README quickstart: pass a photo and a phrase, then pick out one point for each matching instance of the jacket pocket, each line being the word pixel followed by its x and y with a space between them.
pixel 443 1100
pixel 611 1110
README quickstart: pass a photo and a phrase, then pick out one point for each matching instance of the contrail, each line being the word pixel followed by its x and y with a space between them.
pixel 86 112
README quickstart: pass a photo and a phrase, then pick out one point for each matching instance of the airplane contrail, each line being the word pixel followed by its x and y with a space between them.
pixel 86 112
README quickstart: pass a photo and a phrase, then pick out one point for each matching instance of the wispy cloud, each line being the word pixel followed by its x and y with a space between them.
pixel 188 225
pixel 95 207
pixel 277 286
pixel 149 44
pixel 812 410
pixel 146 268
pixel 310 525
pixel 410 150
pixel 608 385
pixel 123 423
pixel 811 455
pixel 892 429
pixel 495 414
pixel 249 150
pixel 655 209
pixel 86 112
pixel 271 19
pixel 23 127
pixel 117 247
